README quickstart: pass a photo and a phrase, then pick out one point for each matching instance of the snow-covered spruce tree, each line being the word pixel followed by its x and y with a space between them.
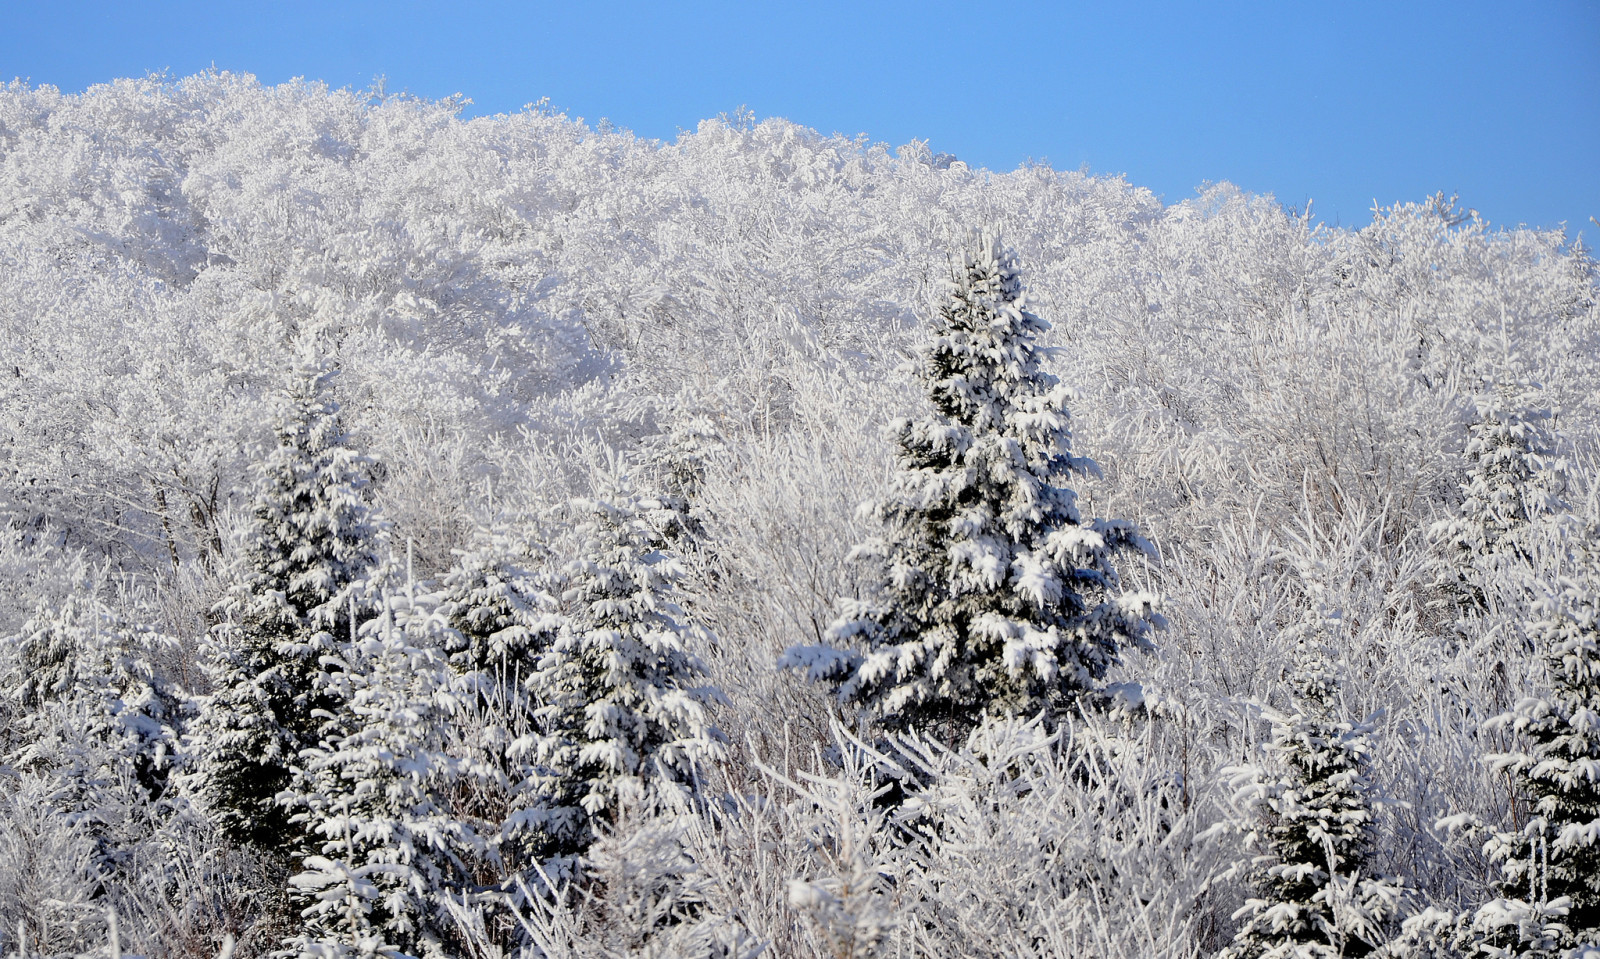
pixel 676 462
pixel 1513 480
pixel 997 597
pixel 1556 854
pixel 1310 814
pixel 502 622
pixel 372 798
pixel 311 541
pixel 625 702
pixel 85 654
pixel 97 719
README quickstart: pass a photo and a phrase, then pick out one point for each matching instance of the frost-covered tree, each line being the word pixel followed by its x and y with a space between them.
pixel 1513 478
pixel 83 653
pixel 502 622
pixel 373 797
pixel 97 719
pixel 1551 865
pixel 499 612
pixel 626 702
pixel 310 544
pixel 844 894
pixel 1310 818
pixel 997 597
pixel 677 464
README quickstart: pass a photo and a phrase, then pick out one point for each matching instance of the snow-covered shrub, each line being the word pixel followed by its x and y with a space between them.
pixel 1035 843
pixel 655 887
pixel 847 891
pixel 49 887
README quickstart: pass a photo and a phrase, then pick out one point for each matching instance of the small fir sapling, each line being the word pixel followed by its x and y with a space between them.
pixel 502 623
pixel 846 892
pixel 1552 864
pixel 676 462
pixel 996 597
pixel 311 542
pixel 85 654
pixel 1514 475
pixel 1309 812
pixel 373 797
pixel 626 702
pixel 87 820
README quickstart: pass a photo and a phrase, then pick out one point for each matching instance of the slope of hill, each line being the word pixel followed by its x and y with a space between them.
pixel 526 312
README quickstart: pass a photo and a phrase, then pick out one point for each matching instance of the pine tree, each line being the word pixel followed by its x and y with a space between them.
pixel 625 706
pixel 1555 856
pixel 1311 816
pixel 310 544
pixel 997 596
pixel 97 717
pixel 502 624
pixel 676 462
pixel 1512 483
pixel 84 653
pixel 373 797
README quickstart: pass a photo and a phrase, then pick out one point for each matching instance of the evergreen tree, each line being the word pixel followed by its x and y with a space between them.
pixel 98 719
pixel 373 797
pixel 502 623
pixel 997 596
pixel 1311 816
pixel 309 546
pixel 676 464
pixel 1554 859
pixel 624 704
pixel 1512 480
pixel 85 654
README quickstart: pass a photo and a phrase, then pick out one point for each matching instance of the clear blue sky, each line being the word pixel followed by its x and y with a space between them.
pixel 1343 102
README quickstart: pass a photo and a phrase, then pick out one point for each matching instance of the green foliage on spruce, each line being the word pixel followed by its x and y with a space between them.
pixel 1513 478
pixel 502 624
pixel 372 798
pixel 83 659
pixel 996 597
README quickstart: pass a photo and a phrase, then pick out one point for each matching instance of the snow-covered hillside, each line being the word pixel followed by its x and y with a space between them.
pixel 495 464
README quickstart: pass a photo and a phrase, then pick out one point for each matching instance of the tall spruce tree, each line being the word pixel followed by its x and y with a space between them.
pixel 311 542
pixel 625 703
pixel 996 595
pixel 1555 856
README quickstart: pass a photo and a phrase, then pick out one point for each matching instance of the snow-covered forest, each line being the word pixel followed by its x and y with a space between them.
pixel 427 536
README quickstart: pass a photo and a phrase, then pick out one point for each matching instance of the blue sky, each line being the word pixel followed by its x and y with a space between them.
pixel 1341 102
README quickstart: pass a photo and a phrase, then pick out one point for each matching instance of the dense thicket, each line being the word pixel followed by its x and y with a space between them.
pixel 1392 427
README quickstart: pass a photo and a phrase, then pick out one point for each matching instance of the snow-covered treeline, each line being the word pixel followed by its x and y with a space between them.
pixel 499 537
